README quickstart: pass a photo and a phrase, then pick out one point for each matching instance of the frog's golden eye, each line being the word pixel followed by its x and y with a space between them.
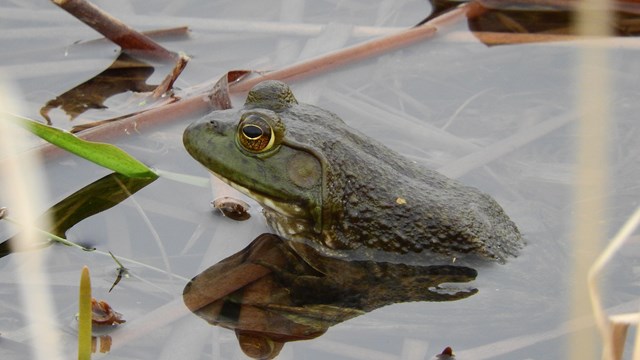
pixel 255 133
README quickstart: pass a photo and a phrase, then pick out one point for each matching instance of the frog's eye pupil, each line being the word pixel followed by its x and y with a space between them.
pixel 252 132
pixel 255 134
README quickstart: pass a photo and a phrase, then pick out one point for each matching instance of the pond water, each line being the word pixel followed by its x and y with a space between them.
pixel 498 118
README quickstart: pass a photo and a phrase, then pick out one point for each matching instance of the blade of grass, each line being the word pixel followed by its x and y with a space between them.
pixel 106 155
pixel 619 326
pixel 92 250
pixel 593 89
pixel 84 317
pixel 604 324
pixel 23 192
pixel 618 338
pixel 53 237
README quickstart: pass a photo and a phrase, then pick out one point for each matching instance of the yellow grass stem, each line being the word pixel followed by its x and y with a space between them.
pixel 592 168
pixel 588 220
pixel 84 316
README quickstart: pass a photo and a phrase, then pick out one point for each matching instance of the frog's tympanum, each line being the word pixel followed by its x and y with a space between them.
pixel 323 183
pixel 269 295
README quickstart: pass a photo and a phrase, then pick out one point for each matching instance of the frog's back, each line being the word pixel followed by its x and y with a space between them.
pixel 379 200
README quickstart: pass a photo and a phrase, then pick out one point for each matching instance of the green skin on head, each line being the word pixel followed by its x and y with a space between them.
pixel 332 187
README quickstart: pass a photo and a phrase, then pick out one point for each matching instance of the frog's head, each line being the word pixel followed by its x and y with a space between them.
pixel 249 148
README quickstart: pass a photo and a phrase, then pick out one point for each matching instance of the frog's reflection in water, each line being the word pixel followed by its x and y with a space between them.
pixel 269 295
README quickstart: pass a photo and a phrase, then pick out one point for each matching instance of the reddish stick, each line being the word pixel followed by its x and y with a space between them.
pixel 361 51
pixel 115 30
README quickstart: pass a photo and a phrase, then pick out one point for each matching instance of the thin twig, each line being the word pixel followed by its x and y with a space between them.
pixel 53 237
pixel 167 83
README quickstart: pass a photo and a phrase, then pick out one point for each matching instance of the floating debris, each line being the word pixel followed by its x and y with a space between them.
pixel 103 341
pixel 122 271
pixel 232 208
pixel 102 314
pixel 446 354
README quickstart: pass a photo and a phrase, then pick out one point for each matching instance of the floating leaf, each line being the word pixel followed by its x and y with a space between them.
pixel 125 74
pixel 106 155
pixel 92 199
pixel 219 97
pixel 104 315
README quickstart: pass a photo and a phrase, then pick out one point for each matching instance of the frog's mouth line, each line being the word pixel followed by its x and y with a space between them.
pixel 285 209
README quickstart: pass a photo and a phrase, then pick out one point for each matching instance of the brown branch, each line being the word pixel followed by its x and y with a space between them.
pixel 167 83
pixel 167 33
pixel 158 98
pixel 501 38
pixel 631 6
pixel 115 30
pixel 174 32
pixel 362 51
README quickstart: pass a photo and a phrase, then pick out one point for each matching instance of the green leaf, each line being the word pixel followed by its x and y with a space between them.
pixel 106 155
pixel 92 199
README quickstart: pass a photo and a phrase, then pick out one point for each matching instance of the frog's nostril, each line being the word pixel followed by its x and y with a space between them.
pixel 214 125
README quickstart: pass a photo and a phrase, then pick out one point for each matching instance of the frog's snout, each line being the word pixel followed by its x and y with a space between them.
pixel 188 135
pixel 213 125
pixel 199 129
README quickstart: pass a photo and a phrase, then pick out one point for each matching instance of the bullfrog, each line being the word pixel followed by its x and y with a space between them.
pixel 325 184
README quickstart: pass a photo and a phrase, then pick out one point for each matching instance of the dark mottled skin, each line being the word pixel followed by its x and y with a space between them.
pixel 370 199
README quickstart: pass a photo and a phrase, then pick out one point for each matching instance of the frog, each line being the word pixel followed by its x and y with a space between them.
pixel 323 183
